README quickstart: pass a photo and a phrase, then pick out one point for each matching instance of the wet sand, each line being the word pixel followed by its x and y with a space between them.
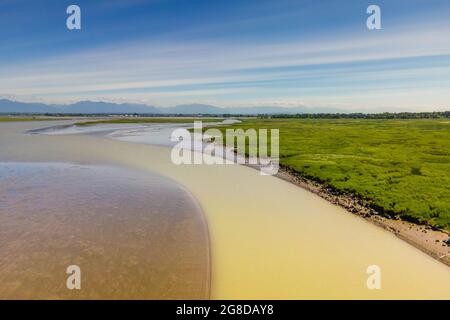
pixel 134 235
pixel 269 238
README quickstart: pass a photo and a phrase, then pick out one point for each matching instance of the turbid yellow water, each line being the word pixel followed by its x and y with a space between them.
pixel 269 239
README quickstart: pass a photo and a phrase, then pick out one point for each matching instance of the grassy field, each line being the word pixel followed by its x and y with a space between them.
pixel 401 166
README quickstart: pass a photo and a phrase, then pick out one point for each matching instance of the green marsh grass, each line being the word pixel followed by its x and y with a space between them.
pixel 402 167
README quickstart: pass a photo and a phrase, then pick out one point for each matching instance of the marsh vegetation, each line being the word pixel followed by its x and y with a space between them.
pixel 401 167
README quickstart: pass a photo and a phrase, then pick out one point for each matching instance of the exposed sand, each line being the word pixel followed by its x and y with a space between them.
pixel 269 238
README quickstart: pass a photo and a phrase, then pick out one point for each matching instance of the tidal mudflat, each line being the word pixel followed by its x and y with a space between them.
pixel 268 238
pixel 133 235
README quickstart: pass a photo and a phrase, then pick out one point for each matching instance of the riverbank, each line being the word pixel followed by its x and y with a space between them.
pixel 423 237
pixel 429 240
pixel 401 166
pixel 269 239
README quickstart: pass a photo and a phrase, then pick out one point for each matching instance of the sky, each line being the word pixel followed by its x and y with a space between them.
pixel 229 53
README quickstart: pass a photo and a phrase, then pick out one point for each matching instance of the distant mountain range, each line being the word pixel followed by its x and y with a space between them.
pixel 93 107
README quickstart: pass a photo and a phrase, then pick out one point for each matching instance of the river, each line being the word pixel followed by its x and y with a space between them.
pixel 268 238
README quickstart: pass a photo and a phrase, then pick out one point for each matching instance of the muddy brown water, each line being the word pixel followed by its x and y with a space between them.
pixel 134 235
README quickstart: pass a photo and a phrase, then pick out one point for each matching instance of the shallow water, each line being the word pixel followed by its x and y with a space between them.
pixel 133 235
pixel 269 239
pixel 158 134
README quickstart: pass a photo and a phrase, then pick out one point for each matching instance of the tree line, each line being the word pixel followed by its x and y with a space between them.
pixel 384 115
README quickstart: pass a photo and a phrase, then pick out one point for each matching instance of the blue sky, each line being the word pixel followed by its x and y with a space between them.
pixel 229 53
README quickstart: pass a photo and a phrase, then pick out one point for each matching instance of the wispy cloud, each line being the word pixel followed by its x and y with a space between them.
pixel 364 70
